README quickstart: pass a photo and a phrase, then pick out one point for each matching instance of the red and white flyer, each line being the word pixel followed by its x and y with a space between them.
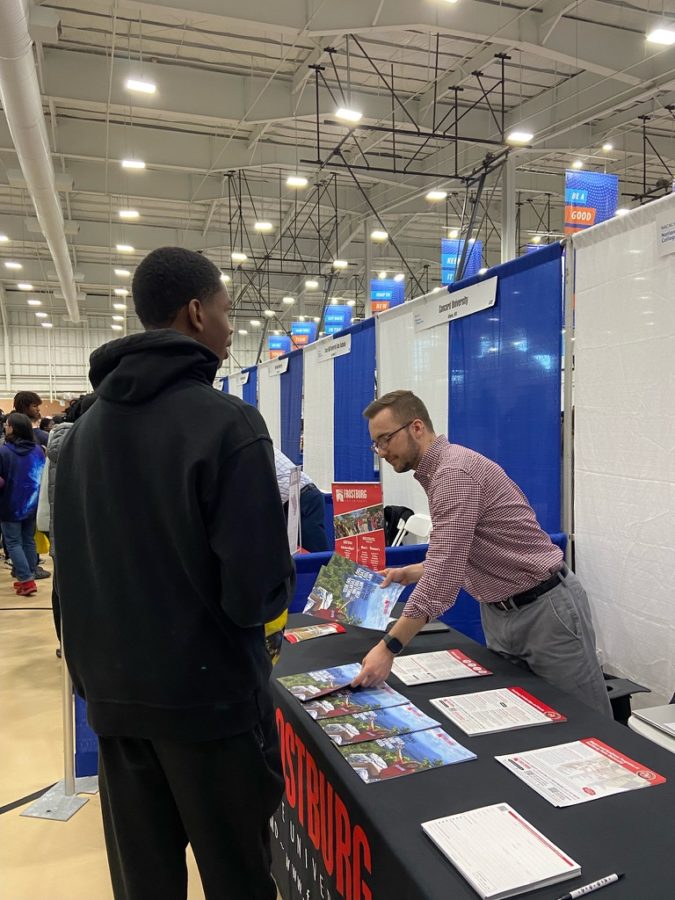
pixel 307 632
pixel 504 709
pixel 358 517
pixel 440 665
pixel 578 772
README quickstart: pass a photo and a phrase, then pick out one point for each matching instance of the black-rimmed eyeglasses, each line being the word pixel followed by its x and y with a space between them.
pixel 383 441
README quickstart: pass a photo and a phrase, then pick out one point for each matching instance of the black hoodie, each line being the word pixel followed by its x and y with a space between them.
pixel 172 546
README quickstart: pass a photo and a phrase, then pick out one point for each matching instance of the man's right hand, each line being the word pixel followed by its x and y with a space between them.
pixel 404 575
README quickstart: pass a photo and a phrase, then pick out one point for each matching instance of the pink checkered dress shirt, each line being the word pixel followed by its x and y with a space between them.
pixel 485 535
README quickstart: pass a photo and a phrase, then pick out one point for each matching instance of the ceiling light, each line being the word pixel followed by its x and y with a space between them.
pixel 622 211
pixel 118 318
pixel 242 331
pixel 472 240
pixel 519 137
pixel 482 271
pixel 119 306
pixel 296 181
pixel 351 302
pixel 289 301
pixel 140 86
pixel 334 301
pixel 317 319
pixel 264 226
pixel 378 235
pixel 536 239
pixel 47 324
pixel 607 147
pixel 399 277
pixel 301 318
pixel 34 302
pixel 435 195
pixel 453 233
pixel 255 322
pixel 276 331
pixel 311 285
pixel 128 213
pixel 269 313
pixel 238 256
pixel 225 278
pixel 10 264
pixel 122 273
pixel 24 286
pixel 3 238
pixel 381 275
pixel 124 248
pixel 348 115
pixel 41 315
pixel 577 164
pixel 133 164
pixel 340 264
pixel 663 36
pixel 121 292
pixel 451 1
pixel 117 328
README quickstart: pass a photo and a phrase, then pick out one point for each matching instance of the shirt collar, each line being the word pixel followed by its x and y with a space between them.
pixel 427 466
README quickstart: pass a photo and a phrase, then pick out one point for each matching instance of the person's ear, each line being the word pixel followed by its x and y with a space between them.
pixel 195 312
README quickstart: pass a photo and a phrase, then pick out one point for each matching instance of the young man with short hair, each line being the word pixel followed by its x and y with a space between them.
pixel 172 555
pixel 486 539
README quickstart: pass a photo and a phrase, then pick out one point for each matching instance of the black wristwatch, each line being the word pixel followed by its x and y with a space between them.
pixel 392 644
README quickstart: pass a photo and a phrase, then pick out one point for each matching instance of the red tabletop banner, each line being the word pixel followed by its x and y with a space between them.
pixel 359 522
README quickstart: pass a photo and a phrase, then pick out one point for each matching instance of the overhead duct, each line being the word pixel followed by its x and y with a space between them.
pixel 22 103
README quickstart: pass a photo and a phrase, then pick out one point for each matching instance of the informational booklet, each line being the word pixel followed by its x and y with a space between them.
pixel 307 632
pixel 309 685
pixel 344 703
pixel 347 592
pixel 578 772
pixel 405 754
pixel 499 853
pixel 502 710
pixel 440 665
pixel 375 724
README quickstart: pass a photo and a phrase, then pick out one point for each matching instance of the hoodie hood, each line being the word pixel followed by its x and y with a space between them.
pixel 21 447
pixel 137 368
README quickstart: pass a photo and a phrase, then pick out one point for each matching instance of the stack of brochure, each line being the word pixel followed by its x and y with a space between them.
pixel 309 685
pixel 344 703
pixel 499 853
pixel 375 724
pixel 440 665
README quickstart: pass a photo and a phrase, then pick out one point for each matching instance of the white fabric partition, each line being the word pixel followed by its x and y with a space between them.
pixel 236 385
pixel 269 399
pixel 415 361
pixel 318 385
pixel 624 464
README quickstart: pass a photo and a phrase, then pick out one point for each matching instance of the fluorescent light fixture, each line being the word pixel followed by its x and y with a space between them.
pixel 663 36
pixel 255 322
pixel 3 238
pixel 301 318
pixel 11 264
pixel 378 235
pixel 269 313
pixel 435 196
pixel 140 86
pixel 133 164
pixel 399 277
pixel 128 213
pixel 381 275
pixel 311 284
pixel 317 319
pixel 348 115
pixel 276 331
pixel 334 301
pixel 482 271
pixel 536 239
pixel 264 226
pixel 34 302
pixel 519 137
pixel 453 234
pixel 121 292
pixel 119 306
pixel 238 256
pixel 472 240
pixel 622 211
pixel 607 147
pixel 340 264
pixel 577 164
pixel 24 286
pixel 296 181
pixel 124 248
pixel 117 328
pixel 122 273
pixel 289 301
pixel 242 331
pixel 118 318
pixel 47 324
pixel 225 278
pixel 41 315
pixel 351 302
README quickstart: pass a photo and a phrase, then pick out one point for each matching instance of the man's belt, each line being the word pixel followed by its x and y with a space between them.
pixel 525 597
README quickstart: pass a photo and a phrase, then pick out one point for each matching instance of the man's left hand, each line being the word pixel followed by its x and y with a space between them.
pixel 375 667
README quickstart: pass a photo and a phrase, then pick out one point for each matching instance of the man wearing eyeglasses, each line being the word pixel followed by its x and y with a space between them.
pixel 486 539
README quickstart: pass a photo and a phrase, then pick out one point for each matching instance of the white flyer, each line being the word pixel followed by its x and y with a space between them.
pixel 504 709
pixel 573 773
pixel 440 665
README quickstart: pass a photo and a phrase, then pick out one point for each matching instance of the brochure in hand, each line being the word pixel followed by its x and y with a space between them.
pixel 501 710
pixel 309 685
pixel 347 592
pixel 404 755
pixel 344 703
pixel 376 723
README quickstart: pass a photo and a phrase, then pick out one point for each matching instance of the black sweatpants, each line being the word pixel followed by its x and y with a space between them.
pixel 157 796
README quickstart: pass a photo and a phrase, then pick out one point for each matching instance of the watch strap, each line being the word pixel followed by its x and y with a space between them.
pixel 392 644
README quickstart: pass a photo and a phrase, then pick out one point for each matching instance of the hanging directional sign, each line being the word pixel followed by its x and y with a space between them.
pixel 385 293
pixel 303 333
pixel 590 198
pixel 337 318
pixel 451 253
pixel 278 344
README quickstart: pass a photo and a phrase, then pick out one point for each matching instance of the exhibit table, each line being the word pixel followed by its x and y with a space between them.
pixel 336 836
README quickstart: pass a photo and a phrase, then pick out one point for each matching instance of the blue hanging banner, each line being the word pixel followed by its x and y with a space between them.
pixel 337 318
pixel 590 198
pixel 303 333
pixel 451 253
pixel 278 345
pixel 385 293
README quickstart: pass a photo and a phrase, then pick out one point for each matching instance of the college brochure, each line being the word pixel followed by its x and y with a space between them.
pixel 504 709
pixel 440 665
pixel 309 685
pixel 344 703
pixel 499 853
pixel 404 755
pixel 578 772
pixel 375 724
pixel 347 592
pixel 307 632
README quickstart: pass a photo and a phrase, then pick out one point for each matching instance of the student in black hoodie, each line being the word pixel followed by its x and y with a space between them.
pixel 171 658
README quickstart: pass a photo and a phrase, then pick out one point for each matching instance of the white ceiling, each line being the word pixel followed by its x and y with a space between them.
pixel 235 112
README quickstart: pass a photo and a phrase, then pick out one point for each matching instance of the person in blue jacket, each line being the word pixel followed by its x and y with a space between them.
pixel 21 464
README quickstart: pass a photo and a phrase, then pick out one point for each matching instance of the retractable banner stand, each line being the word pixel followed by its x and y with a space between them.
pixel 624 439
pixel 359 523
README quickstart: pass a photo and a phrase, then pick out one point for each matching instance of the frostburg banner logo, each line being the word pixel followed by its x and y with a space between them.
pixel 314 828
